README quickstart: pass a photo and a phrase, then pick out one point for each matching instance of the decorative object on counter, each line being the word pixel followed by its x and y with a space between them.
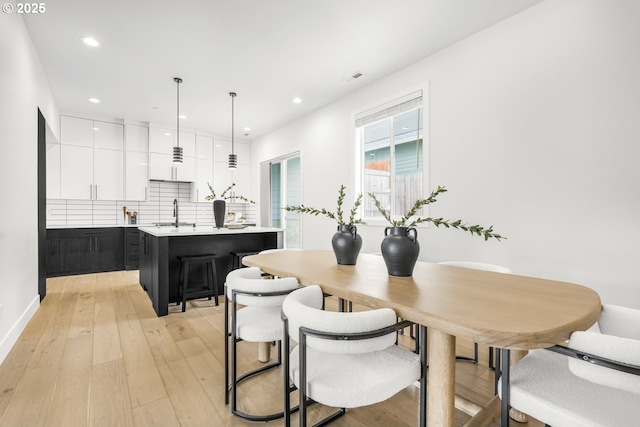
pixel 177 150
pixel 346 241
pixel 133 216
pixel 233 157
pixel 220 204
pixel 400 247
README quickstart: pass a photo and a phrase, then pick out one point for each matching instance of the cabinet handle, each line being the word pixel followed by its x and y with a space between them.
pixel 95 246
pixel 145 194
pixel 90 191
pixel 96 191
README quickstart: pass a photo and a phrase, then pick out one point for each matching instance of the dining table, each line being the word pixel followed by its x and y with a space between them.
pixel 505 311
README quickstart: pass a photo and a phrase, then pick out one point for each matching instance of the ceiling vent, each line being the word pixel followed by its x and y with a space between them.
pixel 352 77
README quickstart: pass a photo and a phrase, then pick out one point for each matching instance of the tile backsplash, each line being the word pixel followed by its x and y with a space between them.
pixel 157 208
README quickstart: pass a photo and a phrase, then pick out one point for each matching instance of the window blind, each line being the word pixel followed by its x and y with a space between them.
pixel 389 109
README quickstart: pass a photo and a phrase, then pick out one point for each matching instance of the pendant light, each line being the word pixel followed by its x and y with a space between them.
pixel 177 150
pixel 233 158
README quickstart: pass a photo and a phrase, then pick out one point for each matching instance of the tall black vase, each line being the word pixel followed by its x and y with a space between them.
pixel 346 244
pixel 219 207
pixel 400 250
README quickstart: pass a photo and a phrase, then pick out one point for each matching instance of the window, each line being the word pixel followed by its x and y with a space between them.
pixel 392 158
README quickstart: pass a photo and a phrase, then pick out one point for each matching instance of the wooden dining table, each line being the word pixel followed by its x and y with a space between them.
pixel 505 311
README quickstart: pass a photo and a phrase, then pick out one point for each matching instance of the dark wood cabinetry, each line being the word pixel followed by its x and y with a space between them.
pixel 85 250
pixel 132 248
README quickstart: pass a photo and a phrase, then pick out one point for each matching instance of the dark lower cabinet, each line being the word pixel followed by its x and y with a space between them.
pixel 85 250
pixel 132 248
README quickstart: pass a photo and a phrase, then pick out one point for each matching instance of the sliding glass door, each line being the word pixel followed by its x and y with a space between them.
pixel 283 188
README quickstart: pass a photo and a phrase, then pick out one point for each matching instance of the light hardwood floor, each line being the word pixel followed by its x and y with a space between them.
pixel 95 354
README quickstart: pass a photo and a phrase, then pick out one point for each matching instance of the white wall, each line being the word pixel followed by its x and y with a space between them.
pixel 533 128
pixel 23 88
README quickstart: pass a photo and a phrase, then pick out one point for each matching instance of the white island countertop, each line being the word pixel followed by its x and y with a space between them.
pixel 203 230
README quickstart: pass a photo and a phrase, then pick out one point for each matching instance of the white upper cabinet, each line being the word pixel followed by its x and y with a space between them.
pixel 91 159
pixel 76 131
pixel 109 136
pixel 204 167
pixel 161 167
pixel 53 170
pixel 136 162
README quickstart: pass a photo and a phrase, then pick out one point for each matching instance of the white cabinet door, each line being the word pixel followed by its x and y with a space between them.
pixel 204 147
pixel 161 140
pixel 136 162
pixel 160 166
pixel 187 170
pixel 242 178
pixel 204 176
pixel 76 172
pixel 108 174
pixel 222 177
pixel 188 144
pixel 243 151
pixel 75 131
pixel 221 150
pixel 53 171
pixel 136 179
pixel 136 138
pixel 109 136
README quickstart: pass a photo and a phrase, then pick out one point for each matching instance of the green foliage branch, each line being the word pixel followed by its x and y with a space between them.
pixel 338 215
pixel 409 219
pixel 225 195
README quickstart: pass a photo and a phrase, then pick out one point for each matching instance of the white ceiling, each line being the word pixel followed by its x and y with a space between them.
pixel 268 51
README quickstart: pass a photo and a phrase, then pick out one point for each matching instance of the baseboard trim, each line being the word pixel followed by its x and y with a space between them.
pixel 11 338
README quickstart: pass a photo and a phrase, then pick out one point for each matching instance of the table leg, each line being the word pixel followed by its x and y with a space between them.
pixel 442 357
pixel 514 414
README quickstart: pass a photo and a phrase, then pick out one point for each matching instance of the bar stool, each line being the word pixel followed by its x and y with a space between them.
pixel 209 288
pixel 237 260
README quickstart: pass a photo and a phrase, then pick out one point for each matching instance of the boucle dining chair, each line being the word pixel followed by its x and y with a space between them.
pixel 594 381
pixel 258 321
pixel 484 267
pixel 343 359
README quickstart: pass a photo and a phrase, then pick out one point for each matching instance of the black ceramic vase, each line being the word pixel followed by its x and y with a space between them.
pixel 346 244
pixel 400 250
pixel 219 207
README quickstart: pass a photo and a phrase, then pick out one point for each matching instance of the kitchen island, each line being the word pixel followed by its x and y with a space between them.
pixel 161 246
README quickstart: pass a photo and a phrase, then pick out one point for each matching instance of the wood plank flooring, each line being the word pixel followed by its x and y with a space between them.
pixel 95 354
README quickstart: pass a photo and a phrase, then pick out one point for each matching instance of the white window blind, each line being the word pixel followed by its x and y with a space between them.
pixel 389 109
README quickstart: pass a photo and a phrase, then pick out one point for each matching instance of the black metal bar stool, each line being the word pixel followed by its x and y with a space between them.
pixel 189 290
pixel 237 260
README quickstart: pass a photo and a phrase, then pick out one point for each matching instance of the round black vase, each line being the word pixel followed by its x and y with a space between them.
pixel 219 207
pixel 346 244
pixel 400 250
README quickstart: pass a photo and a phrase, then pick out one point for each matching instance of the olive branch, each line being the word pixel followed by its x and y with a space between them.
pixel 406 220
pixel 225 194
pixel 335 216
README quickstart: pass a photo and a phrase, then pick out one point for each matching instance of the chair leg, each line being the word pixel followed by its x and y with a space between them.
pixel 226 349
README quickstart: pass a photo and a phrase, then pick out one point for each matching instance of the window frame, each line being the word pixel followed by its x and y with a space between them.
pixel 380 105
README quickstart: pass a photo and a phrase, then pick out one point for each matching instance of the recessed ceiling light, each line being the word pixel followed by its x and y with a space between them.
pixel 297 100
pixel 94 100
pixel 90 41
pixel 167 134
pixel 96 128
pixel 247 129
pixel 182 116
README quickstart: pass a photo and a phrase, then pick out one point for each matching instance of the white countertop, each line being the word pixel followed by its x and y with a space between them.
pixel 203 230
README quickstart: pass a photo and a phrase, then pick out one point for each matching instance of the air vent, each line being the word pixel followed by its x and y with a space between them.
pixel 353 76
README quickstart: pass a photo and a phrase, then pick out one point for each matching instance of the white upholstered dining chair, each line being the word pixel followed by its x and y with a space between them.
pixel 593 382
pixel 253 314
pixel 343 359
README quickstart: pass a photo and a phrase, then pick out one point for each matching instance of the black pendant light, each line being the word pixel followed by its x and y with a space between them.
pixel 233 158
pixel 177 150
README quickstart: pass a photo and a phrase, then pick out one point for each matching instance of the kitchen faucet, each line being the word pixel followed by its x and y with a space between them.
pixel 175 211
